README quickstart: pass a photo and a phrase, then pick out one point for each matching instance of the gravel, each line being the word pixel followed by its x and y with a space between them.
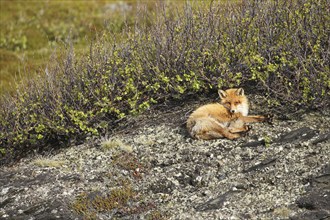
pixel 278 171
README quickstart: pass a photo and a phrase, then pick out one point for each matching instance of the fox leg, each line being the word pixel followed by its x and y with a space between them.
pixel 237 126
pixel 253 118
pixel 224 131
pixel 244 128
pixel 213 134
pixel 208 135
pixel 208 128
pixel 230 135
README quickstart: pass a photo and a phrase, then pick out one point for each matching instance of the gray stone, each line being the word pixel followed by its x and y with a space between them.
pixel 176 177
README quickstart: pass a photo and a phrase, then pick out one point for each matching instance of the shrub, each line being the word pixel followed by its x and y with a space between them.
pixel 276 48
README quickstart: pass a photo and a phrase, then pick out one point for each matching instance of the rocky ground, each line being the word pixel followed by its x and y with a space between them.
pixel 152 169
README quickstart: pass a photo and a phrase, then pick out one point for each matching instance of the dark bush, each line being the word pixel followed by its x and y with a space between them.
pixel 276 48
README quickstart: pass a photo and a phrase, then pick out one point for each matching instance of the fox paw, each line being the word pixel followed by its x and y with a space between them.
pixel 245 133
pixel 247 129
pixel 233 136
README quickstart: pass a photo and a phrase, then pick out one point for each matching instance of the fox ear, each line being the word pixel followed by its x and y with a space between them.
pixel 240 91
pixel 222 94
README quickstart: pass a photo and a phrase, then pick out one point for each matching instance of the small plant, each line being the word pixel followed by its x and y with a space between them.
pixel 156 215
pixel 44 162
pixel 119 201
pixel 2 151
pixel 111 144
pixel 116 144
pixel 88 205
pixel 127 161
pixel 267 141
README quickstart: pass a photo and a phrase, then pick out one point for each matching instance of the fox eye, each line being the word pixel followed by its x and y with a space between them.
pixel 237 103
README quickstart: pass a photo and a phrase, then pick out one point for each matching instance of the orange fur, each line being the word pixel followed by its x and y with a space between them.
pixel 225 119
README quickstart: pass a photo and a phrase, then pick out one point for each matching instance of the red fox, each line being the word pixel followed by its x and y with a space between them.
pixel 225 119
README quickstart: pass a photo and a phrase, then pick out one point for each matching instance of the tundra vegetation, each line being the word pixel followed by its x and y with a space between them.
pixel 276 48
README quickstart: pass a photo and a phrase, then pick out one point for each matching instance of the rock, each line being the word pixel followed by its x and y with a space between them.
pixel 162 186
pixel 254 143
pixel 162 173
pixel 315 201
pixel 322 138
pixel 215 203
pixel 300 134
pixel 314 215
pixel 261 165
pixel 6 201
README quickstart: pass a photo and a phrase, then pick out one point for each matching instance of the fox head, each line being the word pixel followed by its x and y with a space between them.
pixel 234 100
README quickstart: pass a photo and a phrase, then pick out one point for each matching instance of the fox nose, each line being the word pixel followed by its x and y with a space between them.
pixel 232 111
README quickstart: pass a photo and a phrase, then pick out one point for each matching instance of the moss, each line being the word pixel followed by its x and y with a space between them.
pixel 282 212
pixel 127 161
pixel 267 141
pixel 89 205
pixel 156 215
pixel 2 151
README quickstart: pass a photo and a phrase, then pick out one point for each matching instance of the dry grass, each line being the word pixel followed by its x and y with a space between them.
pixel 116 145
pixel 48 162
